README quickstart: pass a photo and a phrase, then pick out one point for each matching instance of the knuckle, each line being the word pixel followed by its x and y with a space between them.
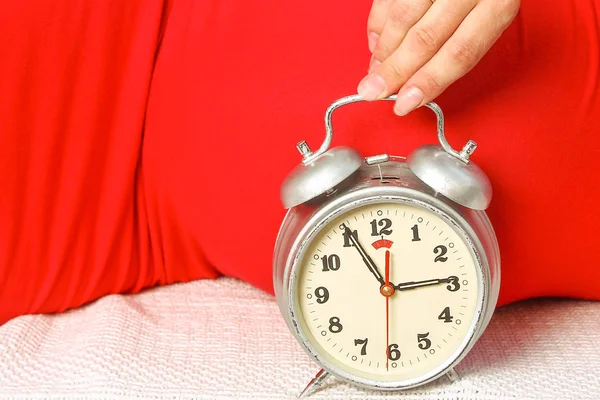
pixel 426 37
pixel 400 13
pixel 433 84
pixel 396 73
pixel 382 51
pixel 463 54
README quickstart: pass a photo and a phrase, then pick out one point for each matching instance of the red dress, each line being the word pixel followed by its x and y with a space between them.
pixel 139 139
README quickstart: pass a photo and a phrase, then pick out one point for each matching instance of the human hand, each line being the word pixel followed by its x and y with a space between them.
pixel 420 47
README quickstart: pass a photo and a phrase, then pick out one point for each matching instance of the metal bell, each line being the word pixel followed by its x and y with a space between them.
pixel 449 172
pixel 465 184
pixel 317 174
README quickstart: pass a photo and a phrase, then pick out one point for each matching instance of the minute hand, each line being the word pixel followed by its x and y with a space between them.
pixel 428 282
pixel 368 261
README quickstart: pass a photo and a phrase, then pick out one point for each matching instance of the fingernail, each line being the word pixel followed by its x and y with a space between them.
pixel 408 100
pixel 371 87
pixel 373 63
pixel 373 38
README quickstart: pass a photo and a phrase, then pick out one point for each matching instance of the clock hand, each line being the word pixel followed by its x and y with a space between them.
pixel 368 261
pixel 429 282
pixel 387 309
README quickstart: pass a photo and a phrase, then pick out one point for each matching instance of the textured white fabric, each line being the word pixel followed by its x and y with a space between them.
pixel 224 339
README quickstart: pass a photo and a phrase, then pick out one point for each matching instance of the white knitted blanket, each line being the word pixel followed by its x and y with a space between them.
pixel 223 339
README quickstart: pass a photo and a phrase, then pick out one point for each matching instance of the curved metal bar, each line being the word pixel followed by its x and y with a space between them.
pixel 468 149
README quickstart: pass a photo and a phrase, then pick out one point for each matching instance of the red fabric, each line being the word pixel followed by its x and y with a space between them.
pixel 74 225
pixel 144 142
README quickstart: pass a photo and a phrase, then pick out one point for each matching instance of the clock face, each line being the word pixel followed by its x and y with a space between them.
pixel 388 292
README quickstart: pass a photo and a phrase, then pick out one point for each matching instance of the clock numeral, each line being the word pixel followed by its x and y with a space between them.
pixel 322 294
pixel 334 325
pixel 453 284
pixel 331 263
pixel 442 250
pixel 347 242
pixel 415 230
pixel 424 343
pixel 445 315
pixel 393 352
pixel 385 223
pixel 363 350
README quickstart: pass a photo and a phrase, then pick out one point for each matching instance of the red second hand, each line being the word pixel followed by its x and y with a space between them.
pixel 387 311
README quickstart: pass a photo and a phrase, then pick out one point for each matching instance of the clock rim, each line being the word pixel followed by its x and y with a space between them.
pixel 388 194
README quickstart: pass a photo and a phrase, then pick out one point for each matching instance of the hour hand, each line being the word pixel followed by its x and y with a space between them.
pixel 366 259
pixel 451 280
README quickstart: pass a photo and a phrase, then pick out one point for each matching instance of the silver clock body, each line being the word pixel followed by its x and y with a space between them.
pixel 390 181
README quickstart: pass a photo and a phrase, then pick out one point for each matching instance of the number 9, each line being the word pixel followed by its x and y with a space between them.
pixel 322 295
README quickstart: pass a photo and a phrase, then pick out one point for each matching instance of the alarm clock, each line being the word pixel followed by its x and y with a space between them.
pixel 386 269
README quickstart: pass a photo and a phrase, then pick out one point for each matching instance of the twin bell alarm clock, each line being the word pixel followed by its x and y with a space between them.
pixel 386 269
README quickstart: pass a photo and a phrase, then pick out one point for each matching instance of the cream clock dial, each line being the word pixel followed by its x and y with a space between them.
pixel 388 292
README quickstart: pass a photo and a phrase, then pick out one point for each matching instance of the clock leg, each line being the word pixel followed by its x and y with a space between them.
pixel 314 384
pixel 452 376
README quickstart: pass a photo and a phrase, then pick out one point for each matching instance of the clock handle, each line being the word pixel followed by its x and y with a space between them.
pixel 309 156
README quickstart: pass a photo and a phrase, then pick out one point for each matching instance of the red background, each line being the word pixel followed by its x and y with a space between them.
pixel 138 139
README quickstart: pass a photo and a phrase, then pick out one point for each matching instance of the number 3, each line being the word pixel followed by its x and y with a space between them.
pixel 453 284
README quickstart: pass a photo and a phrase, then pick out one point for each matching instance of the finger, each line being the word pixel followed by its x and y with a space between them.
pixel 422 41
pixel 474 37
pixel 375 23
pixel 401 16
